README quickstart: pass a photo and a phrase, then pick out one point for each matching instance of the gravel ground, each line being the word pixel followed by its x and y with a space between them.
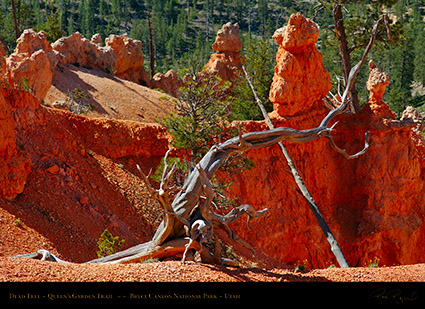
pixel 24 270
pixel 174 283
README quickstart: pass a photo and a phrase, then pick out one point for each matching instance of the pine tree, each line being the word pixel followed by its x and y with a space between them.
pixel 401 75
pixel 401 66
pixel 64 14
pixel 87 25
pixel 116 12
pixel 202 105
pixel 353 22
pixel 52 26
pixel 259 64
pixel 419 44
pixel 71 27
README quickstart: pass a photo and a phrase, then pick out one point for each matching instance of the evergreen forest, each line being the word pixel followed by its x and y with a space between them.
pixel 183 31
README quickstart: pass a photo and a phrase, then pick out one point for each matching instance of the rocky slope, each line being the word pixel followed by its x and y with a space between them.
pixel 74 168
pixel 82 176
pixel 110 97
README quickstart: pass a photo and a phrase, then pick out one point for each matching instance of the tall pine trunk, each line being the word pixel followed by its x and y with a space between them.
pixel 151 47
pixel 345 54
pixel 15 20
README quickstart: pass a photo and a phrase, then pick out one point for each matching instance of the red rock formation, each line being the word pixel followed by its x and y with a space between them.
pixel 2 63
pixel 300 81
pixel 373 204
pixel 79 183
pixel 32 63
pixel 376 85
pixel 227 62
pixel 15 165
pixel 120 55
pixel 76 49
pixel 130 60
pixel 96 39
pixel 168 82
pixel 228 39
pixel 31 41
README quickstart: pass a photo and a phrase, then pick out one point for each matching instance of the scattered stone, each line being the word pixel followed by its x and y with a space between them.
pixel 54 169
pixel 84 201
pixel 60 104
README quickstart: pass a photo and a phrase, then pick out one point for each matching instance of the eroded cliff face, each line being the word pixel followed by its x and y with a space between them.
pixel 373 204
pixel 69 176
pixel 15 165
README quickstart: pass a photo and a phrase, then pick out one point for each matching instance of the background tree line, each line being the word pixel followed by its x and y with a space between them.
pixel 184 30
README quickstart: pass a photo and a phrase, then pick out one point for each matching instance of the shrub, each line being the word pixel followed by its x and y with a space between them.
pixel 78 101
pixel 108 244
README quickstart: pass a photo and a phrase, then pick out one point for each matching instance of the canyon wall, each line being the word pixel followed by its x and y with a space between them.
pixel 373 204
pixel 15 165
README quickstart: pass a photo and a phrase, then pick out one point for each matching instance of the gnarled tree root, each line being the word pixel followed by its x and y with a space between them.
pixel 139 253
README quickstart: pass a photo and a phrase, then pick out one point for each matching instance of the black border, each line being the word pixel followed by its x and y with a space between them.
pixel 283 293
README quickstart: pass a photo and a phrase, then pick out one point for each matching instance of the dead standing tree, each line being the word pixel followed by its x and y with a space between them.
pixel 190 221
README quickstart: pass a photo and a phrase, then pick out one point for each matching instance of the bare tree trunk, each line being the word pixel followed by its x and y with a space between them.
pixel 151 46
pixel 345 54
pixel 208 20
pixel 15 20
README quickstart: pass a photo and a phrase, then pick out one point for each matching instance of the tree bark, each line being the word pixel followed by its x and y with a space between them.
pixel 345 54
pixel 15 20
pixel 151 46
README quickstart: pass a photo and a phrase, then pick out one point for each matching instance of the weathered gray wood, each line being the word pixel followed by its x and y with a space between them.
pixel 189 197
pixel 148 251
pixel 43 255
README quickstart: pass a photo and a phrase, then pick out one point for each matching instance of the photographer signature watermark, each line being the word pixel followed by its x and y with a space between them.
pixel 394 296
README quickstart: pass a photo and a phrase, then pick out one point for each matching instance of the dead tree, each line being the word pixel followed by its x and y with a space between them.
pixel 190 222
